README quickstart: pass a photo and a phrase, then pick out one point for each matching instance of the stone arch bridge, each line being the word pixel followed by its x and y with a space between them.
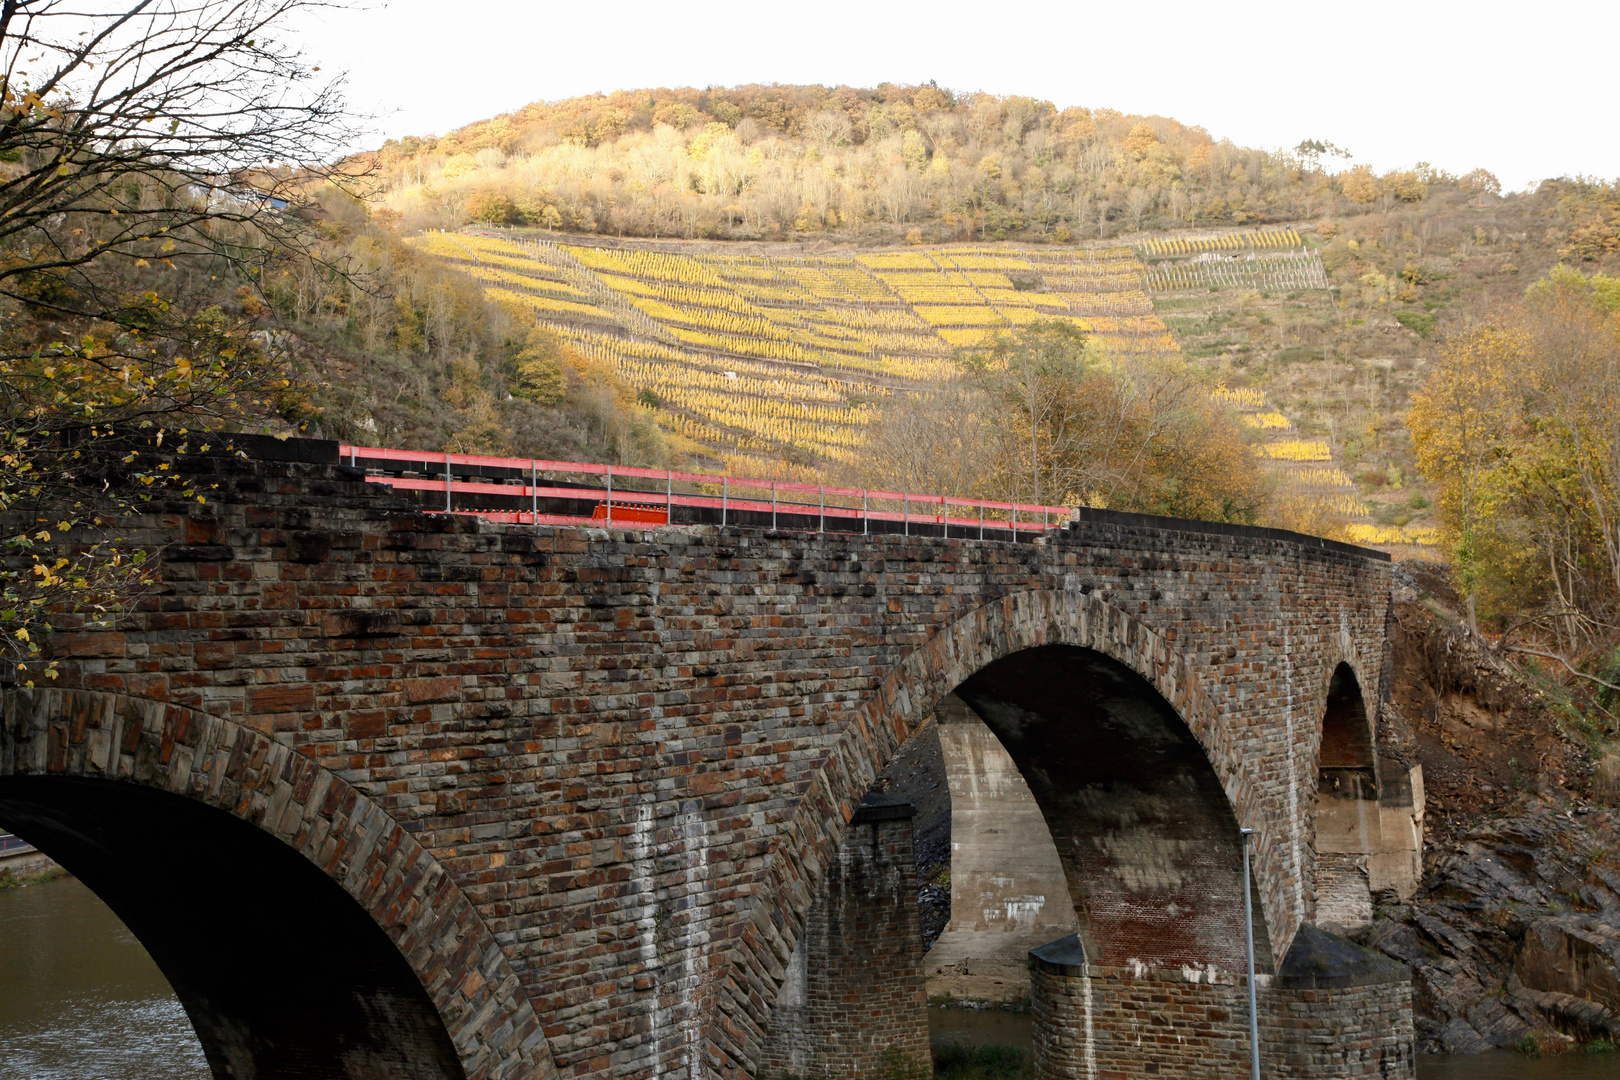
pixel 392 794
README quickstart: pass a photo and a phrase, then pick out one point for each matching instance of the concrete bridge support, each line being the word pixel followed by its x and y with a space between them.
pixel 1008 894
pixel 854 1003
pixel 1369 813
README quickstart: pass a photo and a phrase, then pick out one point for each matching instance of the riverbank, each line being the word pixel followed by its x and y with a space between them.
pixel 28 868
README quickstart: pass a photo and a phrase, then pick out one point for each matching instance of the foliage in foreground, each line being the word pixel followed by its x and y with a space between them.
pixel 952 1061
pixel 959 1061
pixel 145 156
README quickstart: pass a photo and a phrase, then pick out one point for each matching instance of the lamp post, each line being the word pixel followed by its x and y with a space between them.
pixel 1248 925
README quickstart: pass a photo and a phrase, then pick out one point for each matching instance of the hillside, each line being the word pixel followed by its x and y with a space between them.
pixel 761 358
pixel 773 362
pixel 1341 364
pixel 1320 337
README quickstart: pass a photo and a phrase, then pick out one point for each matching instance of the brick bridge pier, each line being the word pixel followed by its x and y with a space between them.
pixel 392 794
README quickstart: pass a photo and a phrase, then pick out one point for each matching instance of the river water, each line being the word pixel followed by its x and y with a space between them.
pixel 80 1000
pixel 995 1027
pixel 79 997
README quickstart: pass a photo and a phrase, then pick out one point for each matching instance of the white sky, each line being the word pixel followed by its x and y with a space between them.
pixel 1521 90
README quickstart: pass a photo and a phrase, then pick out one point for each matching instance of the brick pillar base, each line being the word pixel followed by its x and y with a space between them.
pixel 854 1003
pixel 1338 1010
pixel 1334 1010
pixel 1093 1021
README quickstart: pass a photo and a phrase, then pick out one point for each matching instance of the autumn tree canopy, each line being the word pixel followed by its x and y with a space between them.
pixel 892 161
pixel 1520 427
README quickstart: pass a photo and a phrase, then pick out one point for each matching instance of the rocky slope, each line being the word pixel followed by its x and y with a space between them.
pixel 1514 936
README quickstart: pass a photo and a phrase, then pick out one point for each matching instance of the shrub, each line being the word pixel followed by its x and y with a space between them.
pixel 1418 322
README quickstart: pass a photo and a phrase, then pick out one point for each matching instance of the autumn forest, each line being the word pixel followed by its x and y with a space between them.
pixel 898 163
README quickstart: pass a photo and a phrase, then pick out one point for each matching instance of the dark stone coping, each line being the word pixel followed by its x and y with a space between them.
pixel 1221 528
pixel 1065 956
pixel 270 448
pixel 880 807
pixel 1320 960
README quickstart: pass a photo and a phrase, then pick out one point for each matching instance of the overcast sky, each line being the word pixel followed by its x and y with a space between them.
pixel 1523 91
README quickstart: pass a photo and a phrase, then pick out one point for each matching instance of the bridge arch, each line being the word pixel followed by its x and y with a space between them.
pixel 1345 821
pixel 269 864
pixel 1029 622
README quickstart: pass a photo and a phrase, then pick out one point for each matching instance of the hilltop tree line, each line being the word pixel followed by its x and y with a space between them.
pixel 890 163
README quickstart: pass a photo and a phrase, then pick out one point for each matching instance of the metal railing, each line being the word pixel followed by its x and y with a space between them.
pixel 536 492
pixel 13 845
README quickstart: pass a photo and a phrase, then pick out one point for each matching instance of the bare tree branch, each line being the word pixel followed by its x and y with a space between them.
pixel 154 154
pixel 1567 665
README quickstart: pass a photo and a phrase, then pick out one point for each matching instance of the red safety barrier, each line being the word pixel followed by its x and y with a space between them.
pixel 527 480
pixel 631 514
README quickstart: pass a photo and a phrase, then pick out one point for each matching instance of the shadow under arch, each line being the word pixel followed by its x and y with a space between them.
pixel 1347 735
pixel 1150 848
pixel 753 974
pixel 305 932
pixel 280 972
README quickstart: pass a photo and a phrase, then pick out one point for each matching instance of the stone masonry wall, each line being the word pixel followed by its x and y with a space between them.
pixel 856 995
pixel 1111 1023
pixel 1103 1023
pixel 633 753
pixel 1340 1031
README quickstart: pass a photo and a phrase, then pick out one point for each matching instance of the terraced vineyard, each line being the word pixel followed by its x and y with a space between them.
pixel 1280 271
pixel 774 365
pixel 761 358
pixel 1305 468
pixel 1278 282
